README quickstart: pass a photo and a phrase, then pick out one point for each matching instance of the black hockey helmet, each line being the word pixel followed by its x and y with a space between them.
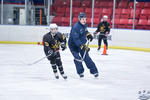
pixel 81 15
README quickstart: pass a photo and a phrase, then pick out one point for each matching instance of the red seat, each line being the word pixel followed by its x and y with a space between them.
pixel 118 11
pixel 58 3
pixel 95 22
pixel 124 16
pixel 98 10
pixel 52 9
pixel 142 22
pixel 78 10
pixel 130 23
pixel 110 4
pixel 104 4
pixel 123 23
pixel 88 10
pixel 117 16
pixel 57 20
pixel 67 10
pixel 148 22
pixel 60 14
pixel 122 4
pixel 148 25
pixel 60 9
pixel 96 16
pixel 131 4
pixel 107 11
pixel 147 5
pixel 116 24
pixel 126 11
pixel 76 4
pixel 97 4
pixel 85 4
pixel 149 17
pixel 89 15
pixel 137 12
pixel 140 5
pixel 75 19
pixel 65 4
pixel 88 22
pixel 75 14
pixel 143 17
pixel 65 21
pixel 145 11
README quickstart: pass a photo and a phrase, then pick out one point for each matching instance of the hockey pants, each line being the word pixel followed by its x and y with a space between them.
pixel 88 61
pixel 56 61
pixel 104 38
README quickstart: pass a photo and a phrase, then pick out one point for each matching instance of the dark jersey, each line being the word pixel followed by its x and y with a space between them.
pixel 103 27
pixel 53 43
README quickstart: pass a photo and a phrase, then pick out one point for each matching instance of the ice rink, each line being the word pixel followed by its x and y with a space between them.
pixel 122 74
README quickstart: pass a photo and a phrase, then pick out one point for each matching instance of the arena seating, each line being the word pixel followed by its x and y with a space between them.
pixel 123 12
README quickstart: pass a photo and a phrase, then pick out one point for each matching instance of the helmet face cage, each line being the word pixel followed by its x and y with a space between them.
pixel 53 29
pixel 105 17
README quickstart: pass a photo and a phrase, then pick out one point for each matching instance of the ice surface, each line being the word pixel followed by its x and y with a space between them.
pixel 122 74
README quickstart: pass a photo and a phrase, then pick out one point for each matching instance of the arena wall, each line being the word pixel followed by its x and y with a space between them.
pixel 120 38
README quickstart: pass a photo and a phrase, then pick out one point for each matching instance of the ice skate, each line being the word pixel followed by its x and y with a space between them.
pixel 81 75
pixel 96 75
pixel 56 75
pixel 98 49
pixel 64 76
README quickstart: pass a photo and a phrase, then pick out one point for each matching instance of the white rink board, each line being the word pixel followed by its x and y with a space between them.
pixel 120 37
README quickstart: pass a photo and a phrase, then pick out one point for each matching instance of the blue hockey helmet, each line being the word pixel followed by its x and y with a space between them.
pixel 81 15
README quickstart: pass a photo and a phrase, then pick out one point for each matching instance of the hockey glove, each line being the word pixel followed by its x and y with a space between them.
pixel 107 33
pixel 63 46
pixel 89 37
pixel 84 47
pixel 95 33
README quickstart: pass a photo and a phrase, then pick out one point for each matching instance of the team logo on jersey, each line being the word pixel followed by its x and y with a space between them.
pixel 56 45
pixel 81 31
pixel 102 28
pixel 144 95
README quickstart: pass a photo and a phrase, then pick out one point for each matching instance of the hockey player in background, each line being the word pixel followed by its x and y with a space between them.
pixel 77 45
pixel 52 42
pixel 104 29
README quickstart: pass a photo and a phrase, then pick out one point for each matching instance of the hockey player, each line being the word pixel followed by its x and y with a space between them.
pixel 52 42
pixel 104 29
pixel 77 40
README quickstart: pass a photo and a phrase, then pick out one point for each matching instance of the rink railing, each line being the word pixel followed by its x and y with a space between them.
pixel 120 38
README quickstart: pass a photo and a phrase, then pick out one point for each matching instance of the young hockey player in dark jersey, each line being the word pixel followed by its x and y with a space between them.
pixel 104 29
pixel 52 42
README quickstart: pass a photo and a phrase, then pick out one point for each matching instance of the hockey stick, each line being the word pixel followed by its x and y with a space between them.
pixel 40 59
pixel 82 58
